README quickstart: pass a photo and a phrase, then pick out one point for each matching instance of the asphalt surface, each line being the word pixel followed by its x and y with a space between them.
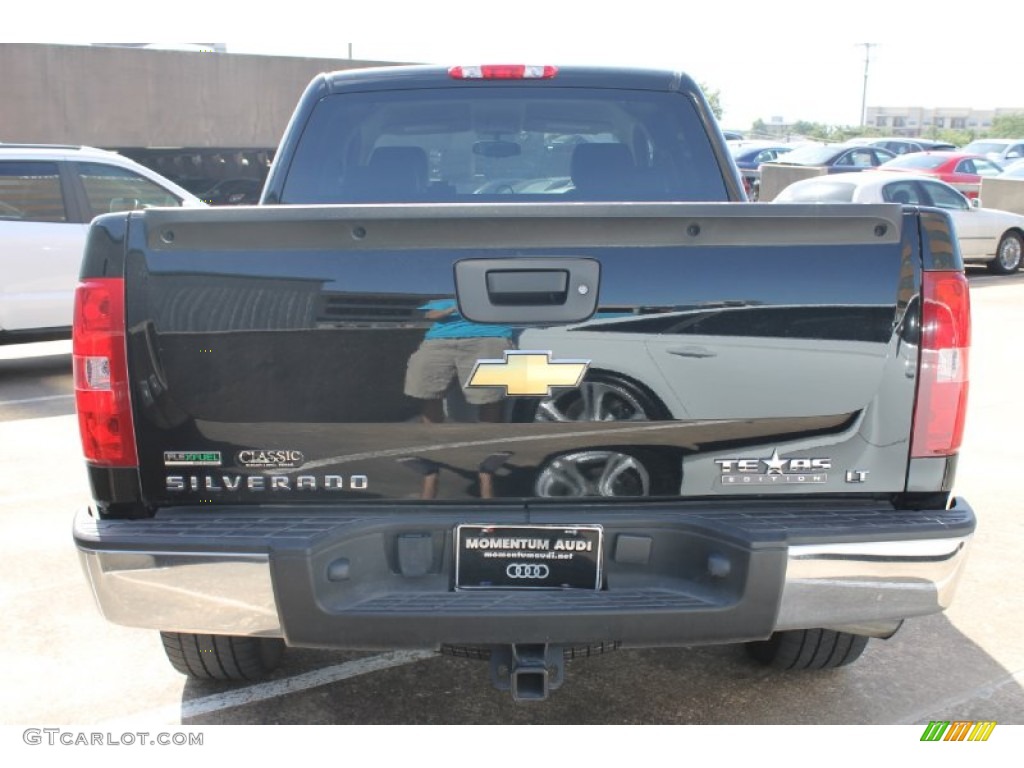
pixel 65 665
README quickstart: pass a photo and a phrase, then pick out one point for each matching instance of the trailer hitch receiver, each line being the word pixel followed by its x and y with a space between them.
pixel 529 671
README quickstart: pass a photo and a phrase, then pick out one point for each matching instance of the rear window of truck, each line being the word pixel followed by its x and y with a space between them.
pixel 504 145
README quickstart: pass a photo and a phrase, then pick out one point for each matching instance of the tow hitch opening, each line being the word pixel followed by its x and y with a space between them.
pixel 529 671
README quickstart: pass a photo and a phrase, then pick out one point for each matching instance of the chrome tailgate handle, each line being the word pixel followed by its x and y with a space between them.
pixel 527 291
pixel 527 287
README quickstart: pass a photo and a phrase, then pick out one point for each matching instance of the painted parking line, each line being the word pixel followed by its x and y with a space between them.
pixel 274 688
pixel 964 698
pixel 35 400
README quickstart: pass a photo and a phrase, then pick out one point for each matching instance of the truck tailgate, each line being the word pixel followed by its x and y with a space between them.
pixel 500 354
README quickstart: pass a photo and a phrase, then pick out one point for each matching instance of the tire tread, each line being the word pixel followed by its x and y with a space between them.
pixel 222 657
pixel 808 649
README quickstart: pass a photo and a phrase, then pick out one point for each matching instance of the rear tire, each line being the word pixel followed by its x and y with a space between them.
pixel 808 649
pixel 1008 255
pixel 222 657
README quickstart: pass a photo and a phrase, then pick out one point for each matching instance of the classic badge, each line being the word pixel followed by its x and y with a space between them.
pixel 271 458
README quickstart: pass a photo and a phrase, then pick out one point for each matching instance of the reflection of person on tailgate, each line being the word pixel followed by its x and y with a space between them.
pixel 451 349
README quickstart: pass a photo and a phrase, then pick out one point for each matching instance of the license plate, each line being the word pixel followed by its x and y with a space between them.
pixel 528 557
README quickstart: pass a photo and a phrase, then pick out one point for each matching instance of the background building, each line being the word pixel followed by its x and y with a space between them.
pixel 193 112
pixel 920 121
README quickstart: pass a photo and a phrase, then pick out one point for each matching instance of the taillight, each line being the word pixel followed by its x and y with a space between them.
pixel 101 373
pixel 503 72
pixel 943 378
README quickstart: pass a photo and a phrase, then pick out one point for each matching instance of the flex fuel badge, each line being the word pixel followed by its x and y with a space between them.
pixel 192 459
pixel 774 470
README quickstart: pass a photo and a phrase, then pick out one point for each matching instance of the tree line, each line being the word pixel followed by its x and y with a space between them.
pixel 1004 126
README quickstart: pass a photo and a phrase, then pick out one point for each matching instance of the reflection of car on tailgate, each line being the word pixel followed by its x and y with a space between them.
pixel 48 195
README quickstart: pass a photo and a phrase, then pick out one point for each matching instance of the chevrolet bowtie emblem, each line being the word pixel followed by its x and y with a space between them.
pixel 528 373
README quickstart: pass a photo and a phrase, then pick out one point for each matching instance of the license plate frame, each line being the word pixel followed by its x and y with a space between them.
pixel 525 557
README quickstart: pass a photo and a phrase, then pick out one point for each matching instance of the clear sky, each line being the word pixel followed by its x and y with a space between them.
pixel 795 60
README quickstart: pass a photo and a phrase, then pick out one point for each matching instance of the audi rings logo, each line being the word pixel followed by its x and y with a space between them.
pixel 527 571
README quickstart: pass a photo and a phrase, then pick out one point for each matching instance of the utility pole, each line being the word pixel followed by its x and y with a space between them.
pixel 864 93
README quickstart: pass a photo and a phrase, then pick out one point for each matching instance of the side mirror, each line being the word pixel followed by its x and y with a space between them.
pixel 975 202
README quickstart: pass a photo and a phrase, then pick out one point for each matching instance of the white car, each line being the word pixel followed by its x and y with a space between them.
pixel 48 196
pixel 1014 170
pixel 1002 151
pixel 995 238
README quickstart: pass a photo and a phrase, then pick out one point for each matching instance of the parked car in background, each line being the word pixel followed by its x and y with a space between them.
pixel 838 158
pixel 902 146
pixel 195 184
pixel 1014 170
pixel 234 192
pixel 963 170
pixel 1000 150
pixel 749 155
pixel 48 196
pixel 992 237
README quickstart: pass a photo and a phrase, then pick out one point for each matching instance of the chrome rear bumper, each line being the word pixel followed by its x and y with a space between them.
pixel 200 593
pixel 839 586
pixel 866 587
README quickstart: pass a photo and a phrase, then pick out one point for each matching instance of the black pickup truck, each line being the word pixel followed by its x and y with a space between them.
pixel 501 366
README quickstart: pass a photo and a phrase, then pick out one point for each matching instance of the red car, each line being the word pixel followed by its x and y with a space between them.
pixel 962 170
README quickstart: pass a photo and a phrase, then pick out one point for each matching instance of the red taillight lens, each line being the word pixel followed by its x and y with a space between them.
pixel 101 374
pixel 943 379
pixel 503 72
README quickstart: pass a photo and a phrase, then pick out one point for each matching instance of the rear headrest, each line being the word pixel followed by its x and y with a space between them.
pixel 399 168
pixel 600 167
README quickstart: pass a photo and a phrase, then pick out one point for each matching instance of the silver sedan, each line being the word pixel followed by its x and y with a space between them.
pixel 995 238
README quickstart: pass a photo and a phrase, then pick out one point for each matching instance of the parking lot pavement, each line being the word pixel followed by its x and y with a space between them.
pixel 35 380
pixel 66 665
